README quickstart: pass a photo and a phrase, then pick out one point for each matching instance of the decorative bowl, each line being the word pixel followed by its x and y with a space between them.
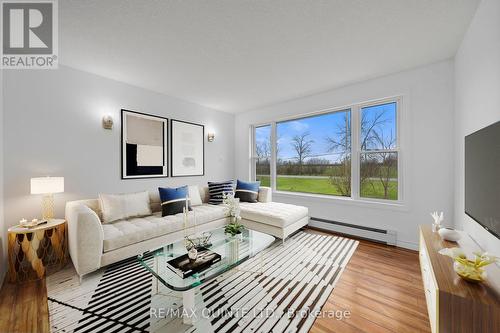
pixel 468 272
pixel 449 234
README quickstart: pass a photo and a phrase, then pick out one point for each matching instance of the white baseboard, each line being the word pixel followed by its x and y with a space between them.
pixel 384 236
pixel 388 237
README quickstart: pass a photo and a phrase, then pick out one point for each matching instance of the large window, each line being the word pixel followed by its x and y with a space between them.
pixel 378 152
pixel 313 154
pixel 351 152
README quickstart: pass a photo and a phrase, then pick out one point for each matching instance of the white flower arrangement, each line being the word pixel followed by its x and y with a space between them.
pixel 232 205
pixel 233 211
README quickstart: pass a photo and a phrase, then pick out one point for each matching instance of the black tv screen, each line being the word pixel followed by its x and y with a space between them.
pixel 482 177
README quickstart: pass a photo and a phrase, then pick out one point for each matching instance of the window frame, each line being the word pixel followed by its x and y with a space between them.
pixel 355 110
pixel 359 151
pixel 253 152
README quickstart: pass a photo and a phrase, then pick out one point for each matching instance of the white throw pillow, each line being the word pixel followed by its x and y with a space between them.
pixel 122 206
pixel 194 195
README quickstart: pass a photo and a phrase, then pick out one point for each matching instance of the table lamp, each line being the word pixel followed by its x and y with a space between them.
pixel 47 186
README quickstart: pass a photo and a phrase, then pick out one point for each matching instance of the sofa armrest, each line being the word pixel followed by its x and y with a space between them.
pixel 265 194
pixel 85 237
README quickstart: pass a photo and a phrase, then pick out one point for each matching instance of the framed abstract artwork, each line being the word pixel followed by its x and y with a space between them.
pixel 144 145
pixel 187 149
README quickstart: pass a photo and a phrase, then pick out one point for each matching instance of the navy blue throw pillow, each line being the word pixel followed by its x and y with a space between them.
pixel 247 191
pixel 217 189
pixel 173 200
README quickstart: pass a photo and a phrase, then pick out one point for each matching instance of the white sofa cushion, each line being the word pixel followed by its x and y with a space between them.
pixel 208 213
pixel 273 213
pixel 194 195
pixel 126 232
pixel 121 206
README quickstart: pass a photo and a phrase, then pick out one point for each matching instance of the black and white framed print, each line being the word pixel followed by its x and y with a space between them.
pixel 187 149
pixel 144 145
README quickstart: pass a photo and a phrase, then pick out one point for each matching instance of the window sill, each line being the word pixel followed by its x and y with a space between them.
pixel 368 203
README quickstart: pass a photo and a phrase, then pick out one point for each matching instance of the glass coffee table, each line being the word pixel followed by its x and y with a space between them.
pixel 233 250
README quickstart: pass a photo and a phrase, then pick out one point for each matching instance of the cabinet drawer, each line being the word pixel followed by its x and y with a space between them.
pixel 430 287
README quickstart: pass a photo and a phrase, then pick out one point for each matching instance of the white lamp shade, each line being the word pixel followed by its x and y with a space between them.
pixel 47 185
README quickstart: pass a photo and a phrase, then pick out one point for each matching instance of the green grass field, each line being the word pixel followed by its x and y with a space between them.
pixel 374 189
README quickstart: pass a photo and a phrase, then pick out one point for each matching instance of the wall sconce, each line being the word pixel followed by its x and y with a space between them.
pixel 211 137
pixel 107 122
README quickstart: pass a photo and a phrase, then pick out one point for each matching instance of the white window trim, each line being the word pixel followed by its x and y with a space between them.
pixel 355 198
pixel 355 160
pixel 253 152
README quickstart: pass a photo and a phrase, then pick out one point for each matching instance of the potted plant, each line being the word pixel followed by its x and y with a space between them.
pixel 234 229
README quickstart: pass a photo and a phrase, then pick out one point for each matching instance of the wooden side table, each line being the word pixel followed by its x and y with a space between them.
pixel 32 251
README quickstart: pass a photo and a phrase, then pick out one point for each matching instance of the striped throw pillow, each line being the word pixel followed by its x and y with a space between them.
pixel 247 191
pixel 217 189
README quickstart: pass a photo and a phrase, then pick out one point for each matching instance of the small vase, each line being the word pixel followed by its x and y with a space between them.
pixel 193 253
pixel 238 236
pixel 469 272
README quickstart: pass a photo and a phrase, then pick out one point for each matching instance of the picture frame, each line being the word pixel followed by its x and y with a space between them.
pixel 187 149
pixel 144 145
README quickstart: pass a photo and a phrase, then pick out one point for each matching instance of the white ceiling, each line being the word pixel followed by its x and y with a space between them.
pixel 237 55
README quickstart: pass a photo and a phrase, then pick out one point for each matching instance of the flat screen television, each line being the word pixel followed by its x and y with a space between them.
pixel 482 177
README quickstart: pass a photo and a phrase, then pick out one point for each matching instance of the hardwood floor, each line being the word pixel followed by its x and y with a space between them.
pixel 24 308
pixel 381 288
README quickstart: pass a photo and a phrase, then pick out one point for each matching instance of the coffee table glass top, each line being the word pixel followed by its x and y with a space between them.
pixel 233 250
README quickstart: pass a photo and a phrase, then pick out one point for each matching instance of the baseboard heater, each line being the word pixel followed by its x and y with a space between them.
pixel 379 235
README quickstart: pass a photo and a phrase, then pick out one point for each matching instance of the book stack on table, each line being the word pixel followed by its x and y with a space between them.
pixel 185 267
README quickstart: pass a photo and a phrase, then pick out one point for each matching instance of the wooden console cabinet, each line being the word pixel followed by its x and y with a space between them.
pixel 455 305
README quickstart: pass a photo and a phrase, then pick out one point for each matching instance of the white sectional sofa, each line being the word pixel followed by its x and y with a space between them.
pixel 93 244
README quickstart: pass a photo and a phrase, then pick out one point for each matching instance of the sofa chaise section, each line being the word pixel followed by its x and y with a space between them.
pixel 274 218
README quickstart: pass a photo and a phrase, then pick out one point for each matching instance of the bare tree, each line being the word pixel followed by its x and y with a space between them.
pixel 262 165
pixel 341 141
pixel 341 176
pixel 387 161
pixel 340 144
pixel 303 148
pixel 380 165
pixel 278 145
pixel 370 129
pixel 263 150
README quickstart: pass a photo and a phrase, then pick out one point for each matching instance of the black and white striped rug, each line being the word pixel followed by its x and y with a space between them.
pixel 282 291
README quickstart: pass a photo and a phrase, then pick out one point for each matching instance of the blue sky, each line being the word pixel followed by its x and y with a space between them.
pixel 322 126
pixel 319 128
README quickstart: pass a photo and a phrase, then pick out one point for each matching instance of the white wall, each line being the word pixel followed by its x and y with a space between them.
pixel 477 101
pixel 427 153
pixel 53 127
